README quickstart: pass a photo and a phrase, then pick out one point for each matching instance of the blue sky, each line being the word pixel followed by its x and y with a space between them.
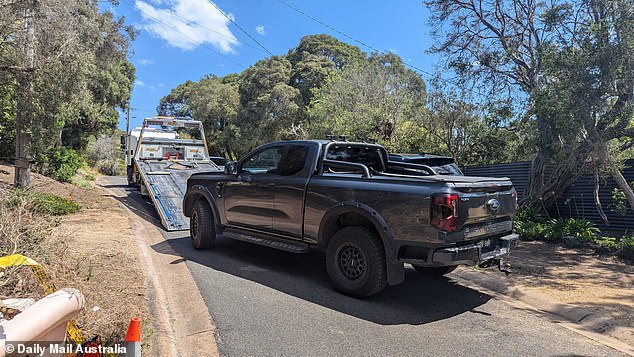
pixel 183 40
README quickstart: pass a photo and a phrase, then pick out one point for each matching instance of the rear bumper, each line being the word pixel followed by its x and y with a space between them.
pixel 478 253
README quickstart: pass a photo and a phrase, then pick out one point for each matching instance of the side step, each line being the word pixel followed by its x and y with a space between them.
pixel 289 246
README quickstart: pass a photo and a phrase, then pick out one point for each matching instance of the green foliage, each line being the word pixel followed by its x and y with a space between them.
pixel 104 154
pixel 370 100
pixel 582 229
pixel 531 225
pixel 80 77
pixel 44 203
pixel 566 65
pixel 59 163
pixel 619 202
pixel 7 119
pixel 529 230
pixel 555 230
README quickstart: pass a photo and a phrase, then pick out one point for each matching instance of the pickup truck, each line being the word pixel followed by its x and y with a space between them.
pixel 370 215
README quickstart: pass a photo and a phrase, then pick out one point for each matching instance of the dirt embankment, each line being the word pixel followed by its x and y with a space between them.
pixel 94 251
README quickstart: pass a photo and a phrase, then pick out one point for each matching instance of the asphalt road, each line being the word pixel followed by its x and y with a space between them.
pixel 268 302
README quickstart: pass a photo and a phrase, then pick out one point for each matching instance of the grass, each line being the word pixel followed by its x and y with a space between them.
pixel 84 178
pixel 43 203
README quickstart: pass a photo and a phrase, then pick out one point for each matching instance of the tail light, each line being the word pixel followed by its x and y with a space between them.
pixel 444 212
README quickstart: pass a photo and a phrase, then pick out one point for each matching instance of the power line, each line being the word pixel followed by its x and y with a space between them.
pixel 238 26
pixel 347 36
pixel 195 41
pixel 219 33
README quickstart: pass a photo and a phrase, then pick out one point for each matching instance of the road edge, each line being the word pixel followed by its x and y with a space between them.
pixel 599 328
pixel 179 328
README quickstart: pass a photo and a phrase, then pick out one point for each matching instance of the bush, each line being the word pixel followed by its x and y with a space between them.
pixel 104 155
pixel 44 203
pixel 529 230
pixel 582 229
pixel 60 163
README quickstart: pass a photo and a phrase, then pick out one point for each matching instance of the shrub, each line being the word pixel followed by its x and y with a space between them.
pixel 45 203
pixel 626 247
pixel 529 230
pixel 529 214
pixel 104 154
pixel 555 230
pixel 60 163
pixel 582 229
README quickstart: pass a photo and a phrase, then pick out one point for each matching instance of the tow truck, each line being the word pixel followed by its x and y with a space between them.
pixel 160 156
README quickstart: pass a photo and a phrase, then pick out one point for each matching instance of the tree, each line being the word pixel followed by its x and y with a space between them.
pixel 216 102
pixel 372 99
pixel 270 107
pixel 315 58
pixel 69 65
pixel 571 60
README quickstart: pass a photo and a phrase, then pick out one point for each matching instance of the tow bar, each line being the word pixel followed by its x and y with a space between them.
pixel 503 265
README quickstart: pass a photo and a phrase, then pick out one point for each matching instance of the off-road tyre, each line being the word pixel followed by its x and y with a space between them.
pixel 434 271
pixel 202 227
pixel 355 261
pixel 130 176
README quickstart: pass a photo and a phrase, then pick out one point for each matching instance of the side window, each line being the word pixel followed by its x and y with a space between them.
pixel 294 161
pixel 264 162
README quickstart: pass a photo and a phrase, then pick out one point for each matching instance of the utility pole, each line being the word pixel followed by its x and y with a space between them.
pixel 23 120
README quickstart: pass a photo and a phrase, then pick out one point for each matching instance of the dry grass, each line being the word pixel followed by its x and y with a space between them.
pixel 93 251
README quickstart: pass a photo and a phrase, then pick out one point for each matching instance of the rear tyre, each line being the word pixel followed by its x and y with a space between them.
pixel 434 271
pixel 202 227
pixel 355 260
pixel 130 173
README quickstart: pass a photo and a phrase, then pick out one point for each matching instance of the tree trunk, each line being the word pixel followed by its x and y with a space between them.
pixel 624 186
pixel 23 120
pixel 597 201
pixel 536 178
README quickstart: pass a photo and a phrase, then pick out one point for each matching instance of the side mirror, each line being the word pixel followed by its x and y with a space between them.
pixel 231 168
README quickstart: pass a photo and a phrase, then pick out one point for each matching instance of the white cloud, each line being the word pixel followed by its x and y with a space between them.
pixel 260 30
pixel 145 62
pixel 139 83
pixel 177 22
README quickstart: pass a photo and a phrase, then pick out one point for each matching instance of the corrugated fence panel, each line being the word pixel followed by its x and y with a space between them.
pixel 577 201
pixel 518 172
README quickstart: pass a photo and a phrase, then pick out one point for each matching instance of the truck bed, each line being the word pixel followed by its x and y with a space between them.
pixel 166 184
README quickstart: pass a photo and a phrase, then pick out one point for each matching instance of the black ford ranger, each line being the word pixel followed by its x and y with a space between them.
pixel 369 214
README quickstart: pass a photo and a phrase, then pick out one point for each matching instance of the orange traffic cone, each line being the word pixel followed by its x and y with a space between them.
pixel 134 335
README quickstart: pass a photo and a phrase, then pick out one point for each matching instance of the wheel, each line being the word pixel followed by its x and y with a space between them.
pixel 355 261
pixel 434 271
pixel 202 227
pixel 130 173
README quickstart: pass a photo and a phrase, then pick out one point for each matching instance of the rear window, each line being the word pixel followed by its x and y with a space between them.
pixel 370 156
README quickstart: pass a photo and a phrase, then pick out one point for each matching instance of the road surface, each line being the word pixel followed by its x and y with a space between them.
pixel 268 302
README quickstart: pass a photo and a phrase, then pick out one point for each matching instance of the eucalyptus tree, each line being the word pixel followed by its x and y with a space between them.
pixel 568 61
pixel 67 61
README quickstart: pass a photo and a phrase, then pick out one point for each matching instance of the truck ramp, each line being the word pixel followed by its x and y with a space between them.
pixel 166 183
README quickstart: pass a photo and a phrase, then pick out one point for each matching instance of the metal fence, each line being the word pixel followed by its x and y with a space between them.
pixel 578 199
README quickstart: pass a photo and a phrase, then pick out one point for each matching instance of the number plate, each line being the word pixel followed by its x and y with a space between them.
pixel 488 229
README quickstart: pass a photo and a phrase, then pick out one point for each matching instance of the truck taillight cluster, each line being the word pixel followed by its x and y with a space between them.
pixel 444 212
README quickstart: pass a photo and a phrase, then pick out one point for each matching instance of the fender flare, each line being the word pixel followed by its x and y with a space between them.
pixel 195 193
pixel 395 269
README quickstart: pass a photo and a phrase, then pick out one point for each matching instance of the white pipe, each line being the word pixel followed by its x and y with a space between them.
pixel 45 320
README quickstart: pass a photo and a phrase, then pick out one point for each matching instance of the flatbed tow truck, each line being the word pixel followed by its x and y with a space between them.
pixel 159 162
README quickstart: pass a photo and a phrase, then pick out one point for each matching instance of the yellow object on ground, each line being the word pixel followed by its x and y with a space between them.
pixel 15 260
